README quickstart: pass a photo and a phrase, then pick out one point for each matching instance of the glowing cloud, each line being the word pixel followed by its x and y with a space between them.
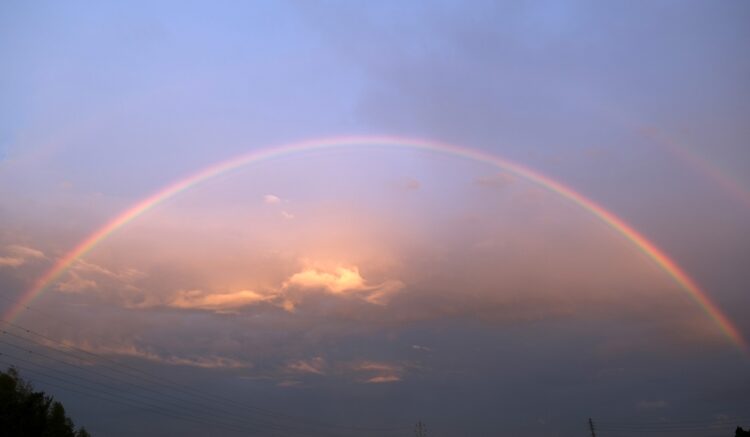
pixel 337 282
pixel 197 299
pixel 342 281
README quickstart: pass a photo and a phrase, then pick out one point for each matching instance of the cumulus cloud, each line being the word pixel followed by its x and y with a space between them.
pixel 340 280
pixel 16 255
pixel 343 281
pixel 302 289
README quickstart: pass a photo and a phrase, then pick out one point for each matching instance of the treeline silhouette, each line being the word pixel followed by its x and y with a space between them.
pixel 28 413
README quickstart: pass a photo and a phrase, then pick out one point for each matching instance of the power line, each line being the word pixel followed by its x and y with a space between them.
pixel 308 422
pixel 673 426
pixel 111 391
pixel 272 417
pixel 188 405
pixel 112 398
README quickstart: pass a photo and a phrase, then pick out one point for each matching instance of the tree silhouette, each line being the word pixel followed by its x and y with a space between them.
pixel 741 433
pixel 28 413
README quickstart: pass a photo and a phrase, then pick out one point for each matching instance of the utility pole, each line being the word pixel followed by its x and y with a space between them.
pixel 420 430
pixel 591 427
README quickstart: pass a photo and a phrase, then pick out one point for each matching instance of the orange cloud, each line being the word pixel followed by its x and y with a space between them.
pixel 344 280
pixel 337 282
pixel 383 379
pixel 197 299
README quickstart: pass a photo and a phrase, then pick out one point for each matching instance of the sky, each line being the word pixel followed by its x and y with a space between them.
pixel 358 288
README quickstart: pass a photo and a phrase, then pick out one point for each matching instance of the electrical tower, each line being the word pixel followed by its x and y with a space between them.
pixel 420 430
pixel 591 427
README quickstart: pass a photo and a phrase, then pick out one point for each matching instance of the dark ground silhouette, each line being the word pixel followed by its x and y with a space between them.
pixel 28 413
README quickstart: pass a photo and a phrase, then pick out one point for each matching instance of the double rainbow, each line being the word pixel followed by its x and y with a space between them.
pixel 653 252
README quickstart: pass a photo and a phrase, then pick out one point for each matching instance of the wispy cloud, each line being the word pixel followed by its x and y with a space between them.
pixel 16 255
pixel 75 283
pixel 383 379
pixel 202 361
pixel 198 299
pixel 377 372
pixel 271 199
pixel 314 365
pixel 84 276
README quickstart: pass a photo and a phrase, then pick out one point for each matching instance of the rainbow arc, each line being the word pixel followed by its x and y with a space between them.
pixel 651 250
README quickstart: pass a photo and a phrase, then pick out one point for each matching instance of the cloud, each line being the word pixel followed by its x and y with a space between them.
pixel 270 199
pixel 17 256
pixel 339 281
pixel 382 293
pixel 313 366
pixel 11 261
pixel 383 379
pixel 198 299
pixel 131 350
pixel 377 372
pixel 84 276
pixel 76 284
pixel 344 281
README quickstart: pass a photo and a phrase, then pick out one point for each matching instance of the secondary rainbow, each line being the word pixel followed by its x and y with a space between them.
pixel 639 241
pixel 723 179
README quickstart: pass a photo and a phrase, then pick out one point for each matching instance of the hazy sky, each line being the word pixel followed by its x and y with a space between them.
pixel 374 287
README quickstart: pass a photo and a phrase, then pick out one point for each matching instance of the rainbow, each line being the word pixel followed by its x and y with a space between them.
pixel 724 180
pixel 653 252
